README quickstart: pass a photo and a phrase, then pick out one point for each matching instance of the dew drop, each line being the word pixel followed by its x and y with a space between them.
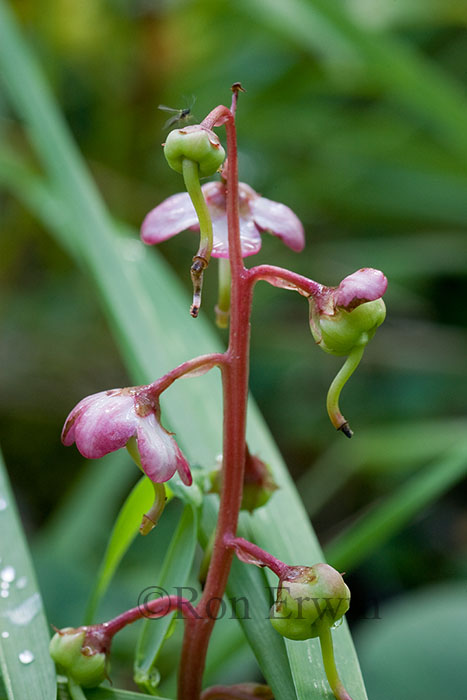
pixel 4 594
pixel 26 611
pixel 26 656
pixel 338 623
pixel 5 635
pixel 3 504
pixel 8 574
pixel 22 582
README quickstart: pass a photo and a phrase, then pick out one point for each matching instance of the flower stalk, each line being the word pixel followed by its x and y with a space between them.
pixel 203 256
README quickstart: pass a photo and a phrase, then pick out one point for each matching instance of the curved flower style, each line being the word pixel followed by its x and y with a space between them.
pixel 105 422
pixel 257 214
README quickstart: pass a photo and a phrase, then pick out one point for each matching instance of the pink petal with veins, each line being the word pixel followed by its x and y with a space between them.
pixel 172 216
pixel 101 423
pixel 279 220
pixel 364 285
pixel 160 454
pixel 250 238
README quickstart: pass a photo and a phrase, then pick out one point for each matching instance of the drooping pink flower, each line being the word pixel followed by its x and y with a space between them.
pixel 105 422
pixel 257 214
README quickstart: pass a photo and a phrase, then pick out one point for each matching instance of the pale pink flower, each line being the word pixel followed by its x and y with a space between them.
pixel 257 214
pixel 106 421
pixel 367 284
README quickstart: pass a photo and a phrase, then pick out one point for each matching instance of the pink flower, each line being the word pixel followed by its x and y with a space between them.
pixel 257 214
pixel 106 421
pixel 367 284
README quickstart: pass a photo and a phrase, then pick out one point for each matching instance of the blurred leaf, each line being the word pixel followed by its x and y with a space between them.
pixel 422 635
pixel 27 668
pixel 395 449
pixel 73 531
pixel 116 694
pixel 177 565
pixel 126 527
pixel 389 517
pixel 397 69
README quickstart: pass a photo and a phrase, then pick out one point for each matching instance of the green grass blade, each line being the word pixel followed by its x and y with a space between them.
pixel 24 631
pixel 116 694
pixel 396 449
pixel 383 521
pixel 175 571
pixel 124 531
pixel 399 71
pixel 153 336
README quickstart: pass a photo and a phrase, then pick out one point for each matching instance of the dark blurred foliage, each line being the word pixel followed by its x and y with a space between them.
pixel 371 179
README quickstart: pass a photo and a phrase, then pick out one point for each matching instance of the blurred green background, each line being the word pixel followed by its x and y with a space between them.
pixel 355 116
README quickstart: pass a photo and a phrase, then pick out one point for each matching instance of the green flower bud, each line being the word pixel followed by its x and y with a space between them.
pixel 194 143
pixel 342 331
pixel 76 658
pixel 310 600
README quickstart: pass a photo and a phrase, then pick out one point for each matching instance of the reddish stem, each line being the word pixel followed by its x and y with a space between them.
pixel 160 607
pixel 206 362
pixel 280 277
pixel 252 554
pixel 243 691
pixel 235 392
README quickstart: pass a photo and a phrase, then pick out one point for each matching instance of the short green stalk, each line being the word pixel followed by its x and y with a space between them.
pixel 332 402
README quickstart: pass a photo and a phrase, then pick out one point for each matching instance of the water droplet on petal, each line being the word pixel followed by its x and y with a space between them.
pixel 5 635
pixel 26 656
pixel 8 574
pixel 3 504
pixel 22 582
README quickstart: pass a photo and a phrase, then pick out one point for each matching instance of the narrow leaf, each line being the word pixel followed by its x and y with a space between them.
pixel 384 520
pixel 27 669
pixel 175 571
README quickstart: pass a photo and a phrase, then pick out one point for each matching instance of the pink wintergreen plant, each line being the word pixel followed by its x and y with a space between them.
pixel 107 421
pixel 257 214
pixel 343 319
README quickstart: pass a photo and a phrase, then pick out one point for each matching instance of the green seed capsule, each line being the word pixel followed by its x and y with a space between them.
pixel 344 330
pixel 197 144
pixel 81 663
pixel 310 600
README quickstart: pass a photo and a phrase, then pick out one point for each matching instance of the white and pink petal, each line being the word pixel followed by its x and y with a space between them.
pixel 279 220
pixel 105 424
pixel 159 453
pixel 172 216
pixel 367 284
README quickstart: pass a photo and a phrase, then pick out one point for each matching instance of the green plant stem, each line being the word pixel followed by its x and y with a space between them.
pixel 223 300
pixel 193 187
pixel 327 651
pixel 332 402
pixel 76 692
pixel 203 256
